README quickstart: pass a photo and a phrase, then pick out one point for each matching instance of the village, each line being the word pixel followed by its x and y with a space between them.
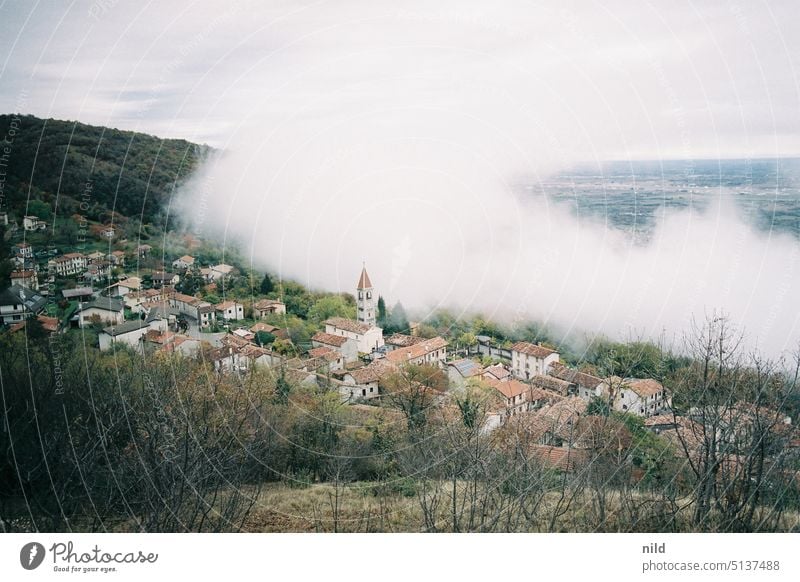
pixel 525 383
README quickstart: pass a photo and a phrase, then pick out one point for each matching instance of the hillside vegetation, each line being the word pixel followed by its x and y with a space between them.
pixel 66 167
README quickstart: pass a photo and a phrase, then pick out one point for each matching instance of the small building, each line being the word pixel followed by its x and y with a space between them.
pixel 334 360
pixel 430 351
pixel 363 383
pixel 183 263
pixel 78 294
pixel 116 258
pixel 642 397
pixel 229 311
pixel 514 396
pixel 585 385
pixel 31 222
pixel 528 360
pixel 220 271
pixel 29 279
pixel 17 303
pixel 162 278
pixel 401 340
pixel 459 371
pixel 143 251
pixel 23 251
pixel 103 309
pixel 127 333
pixel 265 307
pixel 498 373
pixel 125 286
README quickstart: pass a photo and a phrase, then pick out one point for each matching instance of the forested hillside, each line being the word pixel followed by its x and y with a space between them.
pixel 68 167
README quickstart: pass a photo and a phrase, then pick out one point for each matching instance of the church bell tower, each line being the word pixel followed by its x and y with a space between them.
pixel 365 299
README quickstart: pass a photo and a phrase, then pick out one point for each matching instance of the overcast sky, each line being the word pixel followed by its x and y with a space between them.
pixel 592 80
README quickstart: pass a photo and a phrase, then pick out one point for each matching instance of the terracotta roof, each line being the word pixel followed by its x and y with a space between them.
pixel 363 280
pixel 183 298
pixel 329 339
pixel 551 383
pixel 373 372
pixel 225 305
pixel 402 340
pixel 511 388
pixel 266 303
pixel 325 353
pixel 581 379
pixel 644 388
pixel 530 349
pixel 261 326
pixel 348 325
pixel 419 350
pixel 498 371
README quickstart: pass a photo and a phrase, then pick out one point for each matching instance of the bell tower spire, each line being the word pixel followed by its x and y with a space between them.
pixel 365 298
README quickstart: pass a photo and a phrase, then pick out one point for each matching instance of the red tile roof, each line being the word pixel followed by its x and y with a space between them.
pixel 419 350
pixel 329 339
pixel 530 349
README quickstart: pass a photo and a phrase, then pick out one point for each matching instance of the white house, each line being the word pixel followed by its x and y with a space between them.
pixel 367 337
pixel 528 360
pixel 124 287
pixel 195 308
pixel 229 311
pixel 103 309
pixel 430 351
pixel 68 265
pixel 642 397
pixel 184 262
pixel 127 333
pixel 24 251
pixel 220 271
pixel 33 223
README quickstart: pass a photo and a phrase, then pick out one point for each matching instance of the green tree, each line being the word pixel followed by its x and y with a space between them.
pixel 264 338
pixel 398 320
pixel 6 266
pixel 266 285
pixel 381 316
pixel 330 306
pixel 40 209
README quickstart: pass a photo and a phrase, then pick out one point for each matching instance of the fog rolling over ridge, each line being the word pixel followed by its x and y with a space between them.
pixel 439 228
pixel 401 139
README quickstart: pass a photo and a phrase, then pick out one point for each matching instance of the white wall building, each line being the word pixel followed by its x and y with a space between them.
pixel 367 337
pixel 528 360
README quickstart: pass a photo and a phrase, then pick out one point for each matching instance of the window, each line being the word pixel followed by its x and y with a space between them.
pixel 369 294
pixel 361 295
pixel 364 392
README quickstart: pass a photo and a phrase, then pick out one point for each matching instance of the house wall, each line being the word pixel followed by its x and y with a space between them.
pixel 525 366
pixel 352 391
pixel 107 317
pixel 130 339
